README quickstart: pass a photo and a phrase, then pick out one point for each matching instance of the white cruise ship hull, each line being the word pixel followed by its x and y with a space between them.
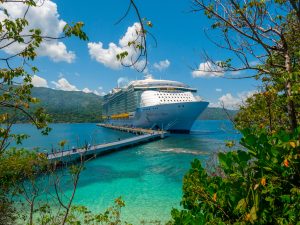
pixel 174 117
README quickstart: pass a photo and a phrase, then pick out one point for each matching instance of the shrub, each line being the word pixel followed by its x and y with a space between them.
pixel 259 184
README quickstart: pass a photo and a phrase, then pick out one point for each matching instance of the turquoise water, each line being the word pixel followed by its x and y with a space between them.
pixel 76 134
pixel 148 177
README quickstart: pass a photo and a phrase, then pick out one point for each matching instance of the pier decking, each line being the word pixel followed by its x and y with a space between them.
pixel 92 151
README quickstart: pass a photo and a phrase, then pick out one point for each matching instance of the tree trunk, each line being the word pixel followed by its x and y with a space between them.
pixel 291 107
pixel 288 91
pixel 31 211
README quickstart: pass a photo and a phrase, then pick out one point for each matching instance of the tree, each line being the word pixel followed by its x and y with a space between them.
pixel 20 170
pixel 263 36
pixel 258 184
pixel 15 77
pixel 15 95
pixel 139 41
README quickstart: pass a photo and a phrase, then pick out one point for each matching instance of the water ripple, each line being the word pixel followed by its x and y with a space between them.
pixel 184 151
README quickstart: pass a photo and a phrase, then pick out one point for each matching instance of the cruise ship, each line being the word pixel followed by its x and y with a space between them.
pixel 155 104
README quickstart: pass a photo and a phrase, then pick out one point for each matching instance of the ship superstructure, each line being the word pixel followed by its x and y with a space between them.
pixel 156 104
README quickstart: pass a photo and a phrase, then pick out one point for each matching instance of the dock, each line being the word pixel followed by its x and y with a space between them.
pixel 133 130
pixel 142 136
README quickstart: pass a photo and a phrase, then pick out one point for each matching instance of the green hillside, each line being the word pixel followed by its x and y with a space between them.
pixel 68 106
pixel 217 114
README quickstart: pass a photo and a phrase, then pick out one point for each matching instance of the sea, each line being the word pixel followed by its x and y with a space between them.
pixel 148 177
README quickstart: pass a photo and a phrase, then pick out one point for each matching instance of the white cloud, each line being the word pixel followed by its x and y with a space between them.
pixel 63 84
pixel 232 102
pixel 100 88
pixel 162 65
pixel 86 90
pixel 122 82
pixel 229 101
pixel 46 18
pixel 205 68
pixel 107 56
pixel 57 52
pixel 39 81
pixel 96 92
pixel 99 93
pixel 218 90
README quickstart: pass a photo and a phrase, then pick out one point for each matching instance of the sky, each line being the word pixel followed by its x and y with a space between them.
pixel 90 66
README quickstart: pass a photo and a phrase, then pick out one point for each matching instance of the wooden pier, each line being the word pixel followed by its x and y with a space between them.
pixel 143 136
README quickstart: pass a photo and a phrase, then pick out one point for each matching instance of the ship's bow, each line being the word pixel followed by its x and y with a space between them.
pixel 175 117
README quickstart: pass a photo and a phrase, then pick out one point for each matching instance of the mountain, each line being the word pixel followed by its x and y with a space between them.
pixel 217 114
pixel 69 106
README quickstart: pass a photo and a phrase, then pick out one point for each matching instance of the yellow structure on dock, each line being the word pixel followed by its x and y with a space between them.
pixel 120 116
pixel 133 130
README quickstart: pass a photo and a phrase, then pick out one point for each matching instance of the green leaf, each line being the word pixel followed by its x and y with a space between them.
pixel 242 205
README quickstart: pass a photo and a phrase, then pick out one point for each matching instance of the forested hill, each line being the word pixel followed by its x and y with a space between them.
pixel 217 114
pixel 69 106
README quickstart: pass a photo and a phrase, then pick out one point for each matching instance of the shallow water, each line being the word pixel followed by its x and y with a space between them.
pixel 148 177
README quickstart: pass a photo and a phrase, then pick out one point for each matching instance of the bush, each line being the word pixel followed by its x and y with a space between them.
pixel 259 184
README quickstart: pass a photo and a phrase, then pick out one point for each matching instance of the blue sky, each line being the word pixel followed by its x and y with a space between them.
pixel 180 41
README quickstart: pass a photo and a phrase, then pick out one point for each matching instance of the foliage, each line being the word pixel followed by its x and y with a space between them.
pixel 16 98
pixel 257 186
pixel 20 172
pixel 17 166
pixel 265 109
pixel 268 108
pixel 138 43
pixel 15 77
pixel 81 215
pixel 261 36
pixel 280 92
